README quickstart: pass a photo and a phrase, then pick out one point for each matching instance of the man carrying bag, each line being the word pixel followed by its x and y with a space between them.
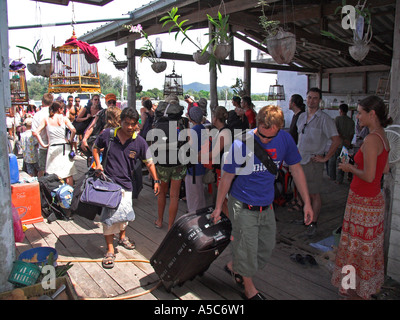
pixel 123 151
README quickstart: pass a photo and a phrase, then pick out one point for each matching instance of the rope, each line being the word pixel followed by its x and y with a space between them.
pixel 118 297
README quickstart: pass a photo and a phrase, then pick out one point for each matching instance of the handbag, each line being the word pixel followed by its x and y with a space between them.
pixel 102 191
pixel 78 207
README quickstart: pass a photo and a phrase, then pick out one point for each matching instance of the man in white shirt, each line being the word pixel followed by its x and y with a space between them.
pixel 43 113
pixel 315 129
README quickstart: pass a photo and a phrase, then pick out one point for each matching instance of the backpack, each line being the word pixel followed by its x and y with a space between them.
pixel 50 209
pixel 63 196
pixel 169 116
pixel 136 174
pixel 282 186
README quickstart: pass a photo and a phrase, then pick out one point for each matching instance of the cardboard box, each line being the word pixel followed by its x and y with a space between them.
pixel 26 198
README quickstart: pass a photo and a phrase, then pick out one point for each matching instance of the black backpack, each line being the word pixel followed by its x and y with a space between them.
pixel 50 209
pixel 168 118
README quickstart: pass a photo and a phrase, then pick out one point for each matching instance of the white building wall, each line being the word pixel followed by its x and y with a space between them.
pixel 393 265
pixel 294 83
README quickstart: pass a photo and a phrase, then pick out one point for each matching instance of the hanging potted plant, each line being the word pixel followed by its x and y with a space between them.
pixel 138 86
pixel 118 64
pixel 359 45
pixel 149 51
pixel 280 43
pixel 220 36
pixel 239 88
pixel 201 56
pixel 38 68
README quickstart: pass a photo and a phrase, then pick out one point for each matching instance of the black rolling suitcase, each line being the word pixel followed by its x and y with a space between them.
pixel 190 246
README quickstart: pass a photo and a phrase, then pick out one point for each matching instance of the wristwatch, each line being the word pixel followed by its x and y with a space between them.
pixel 157 181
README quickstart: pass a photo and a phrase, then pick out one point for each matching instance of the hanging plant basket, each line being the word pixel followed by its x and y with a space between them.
pixel 282 47
pixel 139 88
pixel 120 65
pixel 201 58
pixel 159 66
pixel 359 51
pixel 38 69
pixel 222 50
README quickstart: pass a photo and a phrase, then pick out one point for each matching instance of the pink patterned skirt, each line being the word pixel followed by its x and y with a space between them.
pixel 361 245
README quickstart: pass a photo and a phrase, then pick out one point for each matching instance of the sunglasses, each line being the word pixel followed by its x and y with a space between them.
pixel 305 125
pixel 266 137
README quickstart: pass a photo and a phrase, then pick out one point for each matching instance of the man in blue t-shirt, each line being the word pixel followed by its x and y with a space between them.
pixel 251 193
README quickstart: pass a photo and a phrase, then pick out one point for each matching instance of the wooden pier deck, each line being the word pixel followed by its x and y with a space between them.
pixel 282 279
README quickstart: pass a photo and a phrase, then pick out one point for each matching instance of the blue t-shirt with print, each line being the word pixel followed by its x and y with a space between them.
pixel 254 185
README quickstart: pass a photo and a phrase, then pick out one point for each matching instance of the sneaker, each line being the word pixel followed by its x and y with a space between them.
pixel 311 230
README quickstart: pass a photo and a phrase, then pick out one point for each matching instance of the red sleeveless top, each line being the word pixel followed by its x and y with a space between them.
pixel 369 189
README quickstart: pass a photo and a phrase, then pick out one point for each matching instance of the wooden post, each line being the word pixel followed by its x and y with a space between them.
pixel 213 78
pixel 131 83
pixel 7 244
pixel 247 72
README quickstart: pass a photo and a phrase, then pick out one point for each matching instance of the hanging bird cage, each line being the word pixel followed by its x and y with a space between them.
pixel 173 84
pixel 19 89
pixel 276 92
pixel 74 68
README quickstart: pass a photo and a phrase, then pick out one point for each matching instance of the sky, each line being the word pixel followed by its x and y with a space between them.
pixel 43 13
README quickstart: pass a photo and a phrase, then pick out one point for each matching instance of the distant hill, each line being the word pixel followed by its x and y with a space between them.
pixel 197 86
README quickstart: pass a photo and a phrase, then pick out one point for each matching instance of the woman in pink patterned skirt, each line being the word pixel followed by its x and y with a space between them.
pixel 359 266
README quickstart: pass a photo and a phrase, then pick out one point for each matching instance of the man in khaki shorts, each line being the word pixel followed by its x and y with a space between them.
pixel 251 193
pixel 315 129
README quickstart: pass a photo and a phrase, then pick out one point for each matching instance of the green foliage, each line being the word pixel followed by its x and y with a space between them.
pixel 38 86
pixel 271 27
pixel 172 18
pixel 36 52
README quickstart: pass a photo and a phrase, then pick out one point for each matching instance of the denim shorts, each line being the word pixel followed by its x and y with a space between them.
pixel 253 237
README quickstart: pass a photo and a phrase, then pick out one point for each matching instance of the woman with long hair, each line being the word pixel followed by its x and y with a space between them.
pixel 59 148
pixel 361 244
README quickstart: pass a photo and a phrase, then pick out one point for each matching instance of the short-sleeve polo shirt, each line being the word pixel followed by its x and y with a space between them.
pixel 121 157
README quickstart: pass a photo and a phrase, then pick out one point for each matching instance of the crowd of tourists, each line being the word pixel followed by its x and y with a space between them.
pixel 54 134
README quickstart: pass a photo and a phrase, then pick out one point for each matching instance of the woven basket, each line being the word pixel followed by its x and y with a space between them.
pixel 222 51
pixel 159 66
pixel 201 58
pixel 282 47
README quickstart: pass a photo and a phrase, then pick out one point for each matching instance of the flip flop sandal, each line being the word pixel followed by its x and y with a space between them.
pixel 108 261
pixel 297 257
pixel 127 244
pixel 156 225
pixel 237 278
pixel 311 260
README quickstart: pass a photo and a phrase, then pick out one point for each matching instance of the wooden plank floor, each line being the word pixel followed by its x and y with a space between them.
pixel 82 239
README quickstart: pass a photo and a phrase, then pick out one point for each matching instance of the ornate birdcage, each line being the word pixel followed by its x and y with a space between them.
pixel 19 89
pixel 276 92
pixel 74 68
pixel 173 84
